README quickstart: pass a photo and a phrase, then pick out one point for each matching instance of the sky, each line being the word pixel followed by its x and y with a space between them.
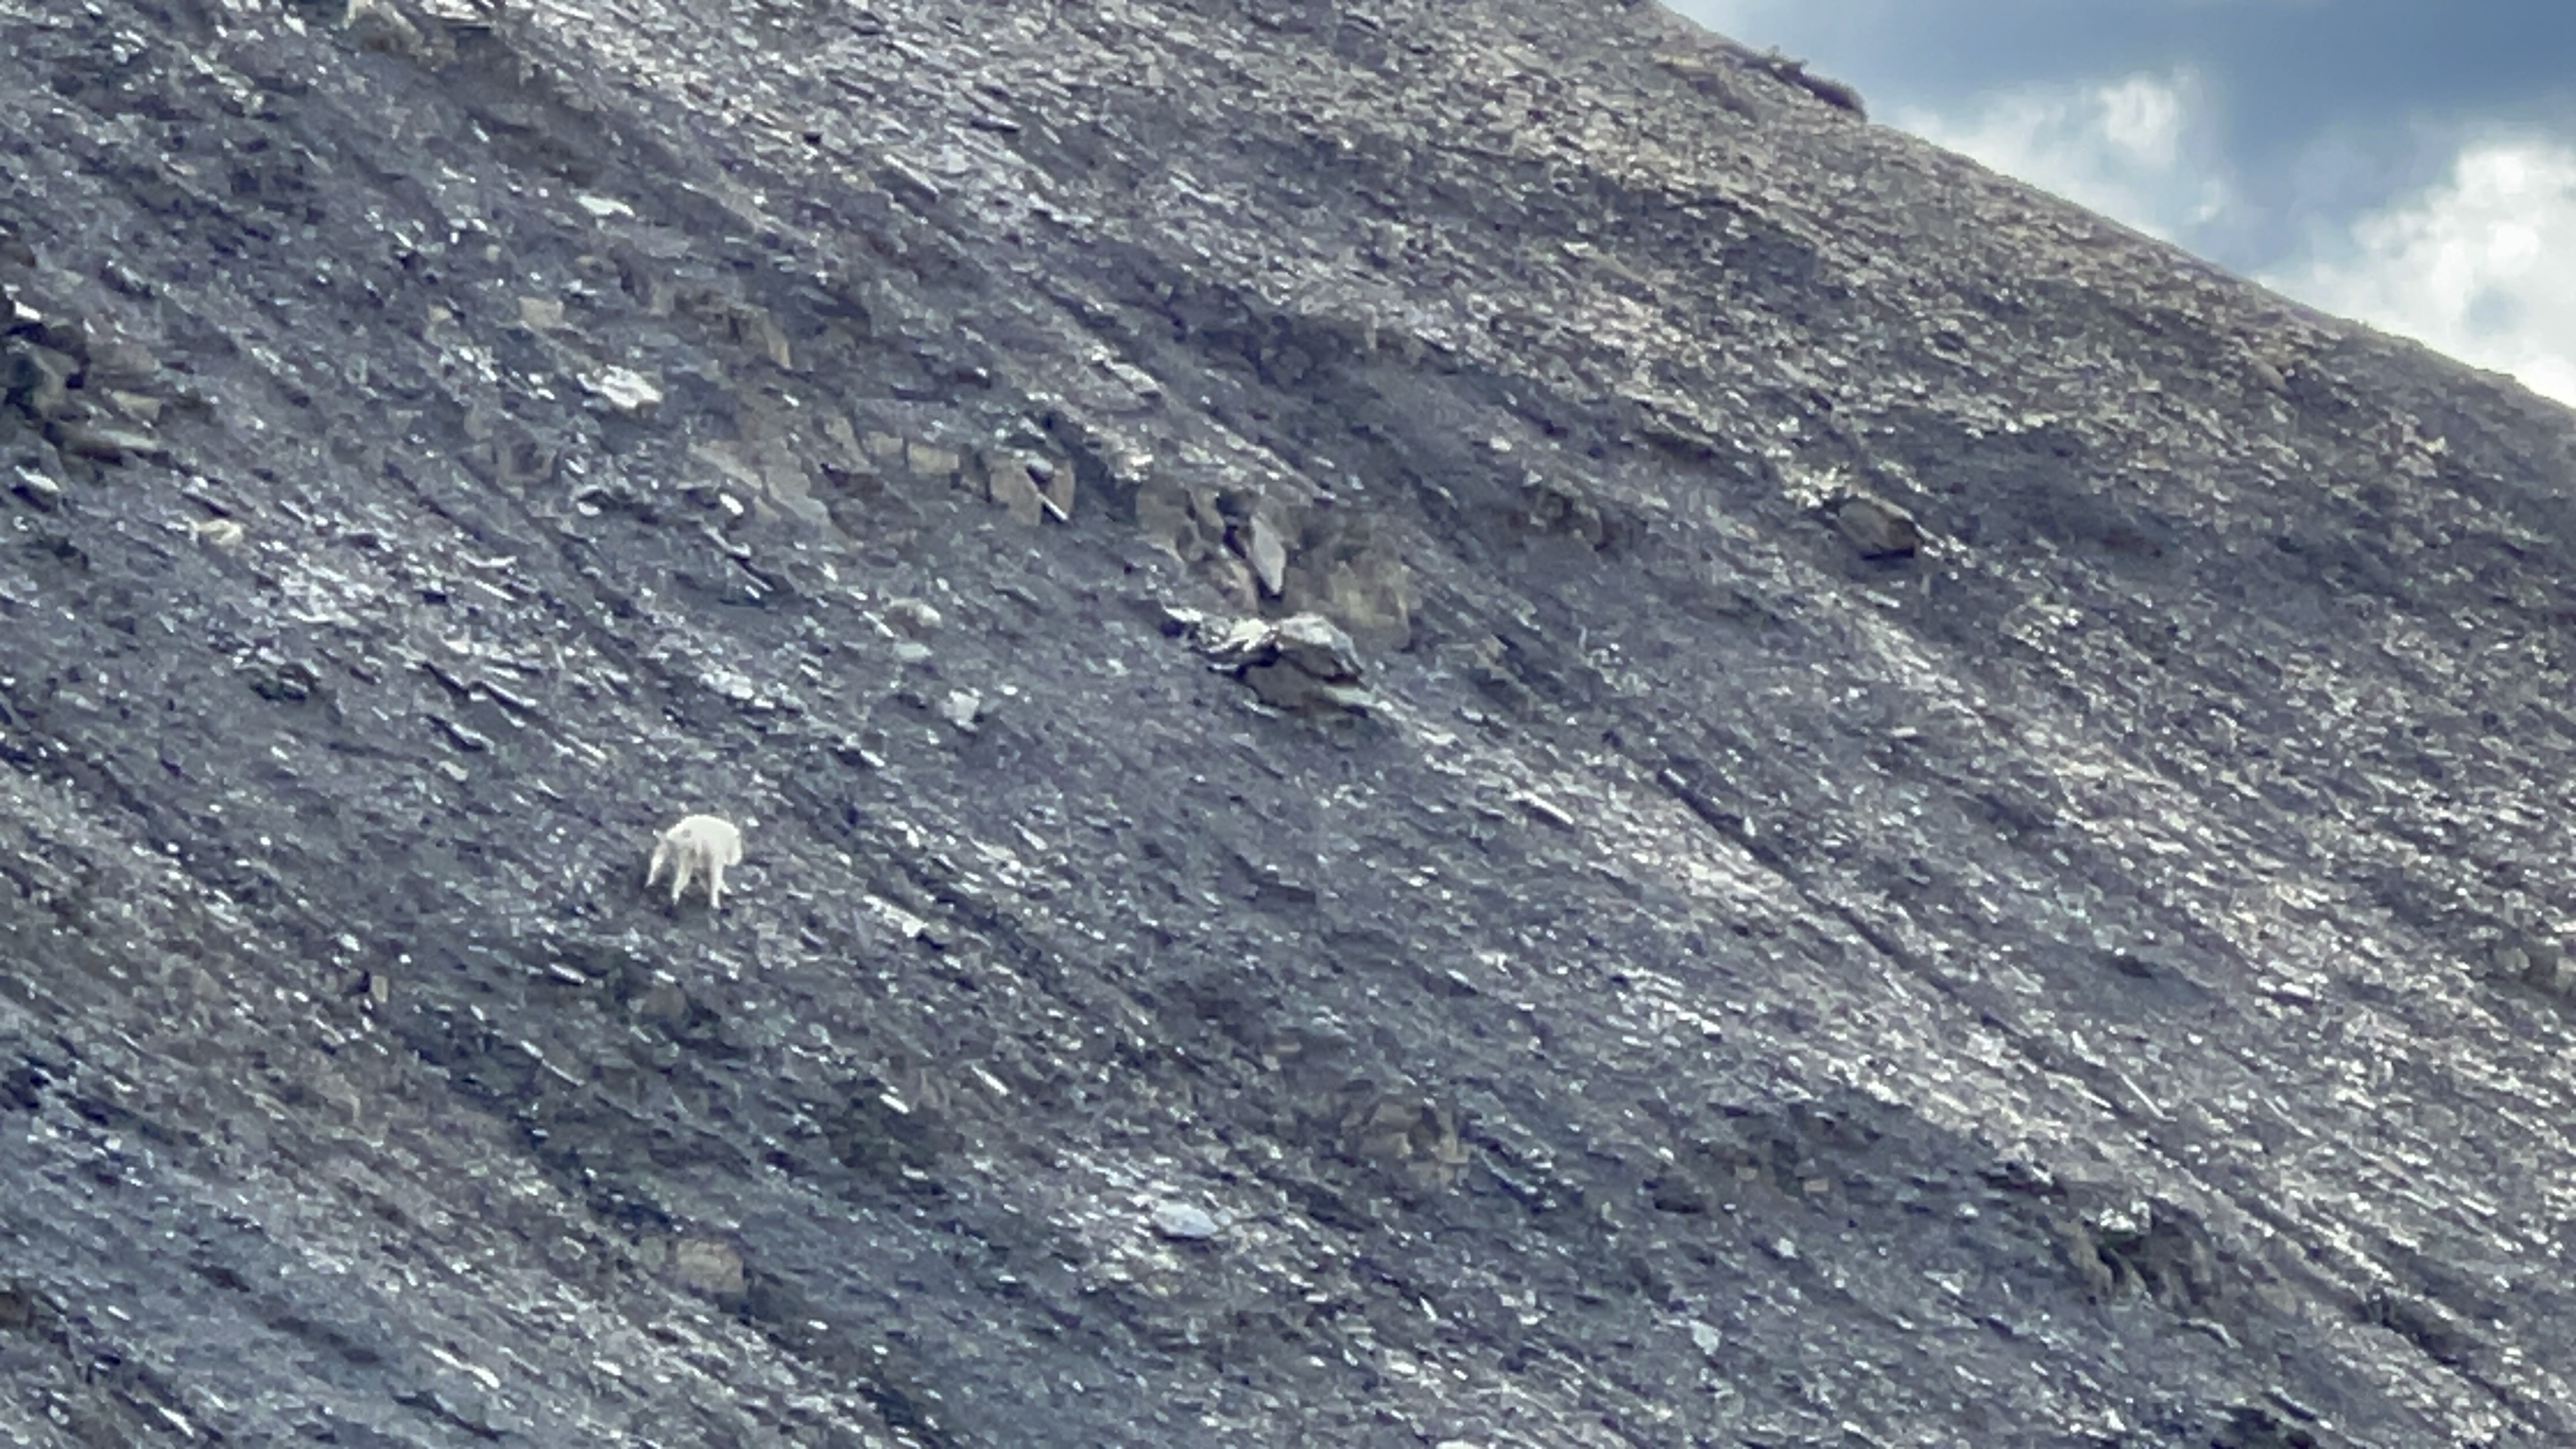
pixel 2409 163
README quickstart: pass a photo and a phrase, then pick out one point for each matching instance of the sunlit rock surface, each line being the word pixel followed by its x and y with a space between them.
pixel 1958 834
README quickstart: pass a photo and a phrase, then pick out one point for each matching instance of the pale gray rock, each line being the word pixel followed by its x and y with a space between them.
pixel 916 617
pixel 1184 1223
pixel 382 25
pixel 1876 528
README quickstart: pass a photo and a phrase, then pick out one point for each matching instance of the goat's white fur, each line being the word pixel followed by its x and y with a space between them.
pixel 698 845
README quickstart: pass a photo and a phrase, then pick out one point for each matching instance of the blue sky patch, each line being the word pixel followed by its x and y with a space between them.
pixel 2409 164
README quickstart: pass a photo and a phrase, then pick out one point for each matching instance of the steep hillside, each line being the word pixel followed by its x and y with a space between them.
pixel 1951 827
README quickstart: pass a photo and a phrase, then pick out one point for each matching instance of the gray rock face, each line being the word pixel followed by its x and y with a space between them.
pixel 2094 974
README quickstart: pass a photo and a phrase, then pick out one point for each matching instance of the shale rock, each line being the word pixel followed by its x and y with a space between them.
pixel 1303 662
pixel 1875 528
pixel 1960 834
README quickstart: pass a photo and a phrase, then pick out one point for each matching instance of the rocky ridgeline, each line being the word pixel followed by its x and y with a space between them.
pixel 1457 724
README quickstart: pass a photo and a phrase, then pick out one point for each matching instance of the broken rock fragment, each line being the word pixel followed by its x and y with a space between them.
pixel 380 26
pixel 1876 528
pixel 624 389
pixel 1268 555
pixel 1184 1223
pixel 915 617
pixel 1008 484
pixel 112 446
pixel 1303 662
pixel 38 489
pixel 37 379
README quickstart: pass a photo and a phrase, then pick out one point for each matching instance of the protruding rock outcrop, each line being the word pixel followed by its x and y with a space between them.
pixel 1301 663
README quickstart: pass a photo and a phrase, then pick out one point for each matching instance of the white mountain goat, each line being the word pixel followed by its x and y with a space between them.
pixel 700 845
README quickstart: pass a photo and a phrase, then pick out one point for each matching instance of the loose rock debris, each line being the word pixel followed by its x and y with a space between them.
pixel 1301 663
pixel 2115 992
pixel 1876 528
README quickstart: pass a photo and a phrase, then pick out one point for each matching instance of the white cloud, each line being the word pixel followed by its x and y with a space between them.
pixel 1730 17
pixel 2140 149
pixel 2465 265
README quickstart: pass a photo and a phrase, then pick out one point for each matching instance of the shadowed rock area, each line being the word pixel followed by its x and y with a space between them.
pixel 1455 723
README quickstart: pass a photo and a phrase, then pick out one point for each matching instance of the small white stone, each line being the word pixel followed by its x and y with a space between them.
pixel 1182 1221
pixel 913 616
pixel 624 389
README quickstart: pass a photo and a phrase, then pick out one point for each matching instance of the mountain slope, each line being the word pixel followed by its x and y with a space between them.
pixel 1957 836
